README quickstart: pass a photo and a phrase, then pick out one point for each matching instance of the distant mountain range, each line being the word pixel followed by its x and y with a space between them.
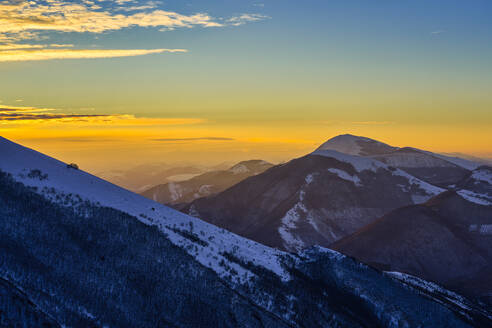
pixel 143 177
pixel 77 251
pixel 347 183
pixel 313 200
pixel 347 192
pixel 205 184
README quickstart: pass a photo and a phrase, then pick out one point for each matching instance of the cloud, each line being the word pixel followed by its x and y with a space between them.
pixel 25 19
pixel 32 20
pixel 12 46
pixel 139 7
pixel 70 16
pixel 40 114
pixel 50 54
pixel 437 32
pixel 193 139
pixel 30 115
pixel 75 139
pixel 246 18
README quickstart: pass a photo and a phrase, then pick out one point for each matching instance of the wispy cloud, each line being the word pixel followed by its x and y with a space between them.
pixel 193 139
pixel 8 114
pixel 83 139
pixel 31 20
pixel 49 54
pixel 29 115
pixel 246 18
pixel 437 32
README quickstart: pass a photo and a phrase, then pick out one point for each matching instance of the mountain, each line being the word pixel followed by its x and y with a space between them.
pixel 17 310
pixel 434 168
pixel 355 145
pixel 143 177
pixel 481 160
pixel 446 240
pixel 313 200
pixel 206 184
pixel 327 195
pixel 76 251
pixel 362 146
pixel 477 186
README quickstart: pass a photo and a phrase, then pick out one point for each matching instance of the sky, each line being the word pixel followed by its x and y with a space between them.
pixel 115 83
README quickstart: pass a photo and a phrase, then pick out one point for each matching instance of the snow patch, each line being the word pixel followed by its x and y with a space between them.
pixel 482 229
pixel 289 222
pixel 359 163
pixel 239 169
pixel 175 190
pixel 482 175
pixel 309 178
pixel 291 241
pixel 205 189
pixel 345 176
pixel 428 189
pixel 480 199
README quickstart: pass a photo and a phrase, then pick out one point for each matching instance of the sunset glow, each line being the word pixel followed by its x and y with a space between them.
pixel 210 81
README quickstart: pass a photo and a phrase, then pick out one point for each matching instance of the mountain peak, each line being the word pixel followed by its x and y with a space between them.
pixel 356 145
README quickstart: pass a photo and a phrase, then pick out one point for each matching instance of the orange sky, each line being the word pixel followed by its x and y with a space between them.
pixel 102 142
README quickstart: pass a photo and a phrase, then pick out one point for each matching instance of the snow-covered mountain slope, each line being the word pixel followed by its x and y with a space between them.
pixel 477 186
pixel 394 156
pixel 313 200
pixel 88 253
pixel 361 164
pixel 204 185
pixel 412 158
pixel 356 145
pixel 425 166
pixel 57 181
pixel 462 162
pixel 447 240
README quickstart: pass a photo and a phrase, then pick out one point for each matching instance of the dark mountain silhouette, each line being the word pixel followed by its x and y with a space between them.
pixel 327 195
pixel 446 240
pixel 312 200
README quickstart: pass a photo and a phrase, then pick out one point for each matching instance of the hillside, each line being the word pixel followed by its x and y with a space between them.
pixel 87 253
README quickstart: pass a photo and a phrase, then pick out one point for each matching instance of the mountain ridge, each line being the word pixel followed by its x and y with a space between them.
pixel 206 184
pixel 151 256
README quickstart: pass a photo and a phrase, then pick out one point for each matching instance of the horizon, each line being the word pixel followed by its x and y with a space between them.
pixel 107 166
